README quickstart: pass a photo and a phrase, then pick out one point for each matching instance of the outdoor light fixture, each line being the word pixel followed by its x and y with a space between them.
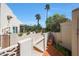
pixel 9 17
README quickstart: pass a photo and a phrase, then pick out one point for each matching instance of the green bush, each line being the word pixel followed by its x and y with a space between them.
pixel 65 51
pixel 28 33
pixel 20 34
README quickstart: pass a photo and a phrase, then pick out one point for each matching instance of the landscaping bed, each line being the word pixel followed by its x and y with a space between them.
pixel 65 51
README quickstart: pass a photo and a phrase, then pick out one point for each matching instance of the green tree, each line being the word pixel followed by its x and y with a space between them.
pixel 33 28
pixel 53 22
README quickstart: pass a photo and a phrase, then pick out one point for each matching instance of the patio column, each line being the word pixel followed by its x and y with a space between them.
pixel 75 32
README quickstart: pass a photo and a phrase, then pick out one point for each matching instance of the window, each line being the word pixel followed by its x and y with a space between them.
pixel 15 30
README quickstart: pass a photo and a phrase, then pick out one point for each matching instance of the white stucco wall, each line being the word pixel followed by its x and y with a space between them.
pixel 0 17
pixel 26 47
pixel 5 11
pixel 66 34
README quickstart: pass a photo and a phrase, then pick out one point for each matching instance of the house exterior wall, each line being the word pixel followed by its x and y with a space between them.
pixel 75 32
pixel 6 11
pixel 6 25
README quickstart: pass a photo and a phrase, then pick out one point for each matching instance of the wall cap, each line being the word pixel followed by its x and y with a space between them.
pixel 77 9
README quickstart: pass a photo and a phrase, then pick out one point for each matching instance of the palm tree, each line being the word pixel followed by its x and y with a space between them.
pixel 47 8
pixel 38 17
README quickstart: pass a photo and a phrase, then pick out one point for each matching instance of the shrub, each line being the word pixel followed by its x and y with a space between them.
pixel 28 33
pixel 20 34
pixel 64 50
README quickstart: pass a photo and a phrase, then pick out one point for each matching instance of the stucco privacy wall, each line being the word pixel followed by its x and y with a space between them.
pixel 64 37
pixel 26 47
pixel 57 36
pixel 75 32
pixel 66 34
pixel 69 34
pixel 6 11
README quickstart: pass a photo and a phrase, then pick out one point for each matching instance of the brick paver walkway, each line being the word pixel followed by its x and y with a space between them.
pixel 51 51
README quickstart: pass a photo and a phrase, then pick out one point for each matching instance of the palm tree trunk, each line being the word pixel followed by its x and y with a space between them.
pixel 46 14
pixel 38 22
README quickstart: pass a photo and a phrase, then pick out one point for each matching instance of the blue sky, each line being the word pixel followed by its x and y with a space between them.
pixel 25 12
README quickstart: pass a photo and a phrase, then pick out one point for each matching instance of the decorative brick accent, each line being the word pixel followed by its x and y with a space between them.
pixel 5 41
